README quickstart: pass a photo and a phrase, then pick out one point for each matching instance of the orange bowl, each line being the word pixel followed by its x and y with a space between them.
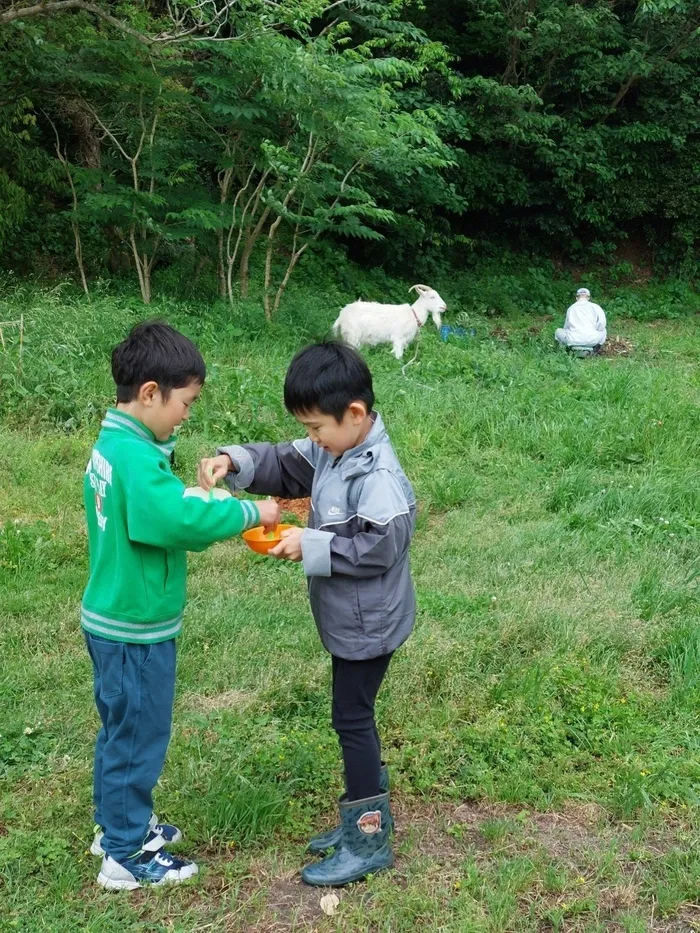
pixel 261 543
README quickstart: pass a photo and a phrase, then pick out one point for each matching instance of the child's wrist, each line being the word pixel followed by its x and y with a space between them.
pixel 251 514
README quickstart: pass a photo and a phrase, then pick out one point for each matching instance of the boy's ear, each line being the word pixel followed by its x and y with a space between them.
pixel 147 393
pixel 358 410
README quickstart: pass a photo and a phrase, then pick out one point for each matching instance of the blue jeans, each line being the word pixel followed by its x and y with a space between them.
pixel 134 692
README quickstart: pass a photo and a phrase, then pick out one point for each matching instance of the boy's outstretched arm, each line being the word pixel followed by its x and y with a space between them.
pixel 284 470
pixel 158 513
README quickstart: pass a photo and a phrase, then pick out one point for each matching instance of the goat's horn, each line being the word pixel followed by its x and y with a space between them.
pixel 419 288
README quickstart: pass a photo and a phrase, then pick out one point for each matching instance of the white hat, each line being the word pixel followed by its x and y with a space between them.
pixel 583 291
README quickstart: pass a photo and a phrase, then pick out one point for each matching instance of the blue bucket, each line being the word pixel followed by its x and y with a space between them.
pixel 448 331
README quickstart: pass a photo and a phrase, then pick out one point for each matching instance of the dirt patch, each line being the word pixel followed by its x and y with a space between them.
pixel 570 835
pixel 617 346
pixel 273 899
pixel 427 826
pixel 569 839
pixel 687 919
pixel 299 508
pixel 291 905
pixel 422 828
pixel 620 897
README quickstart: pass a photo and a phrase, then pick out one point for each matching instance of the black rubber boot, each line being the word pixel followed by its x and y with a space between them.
pixel 324 842
pixel 365 845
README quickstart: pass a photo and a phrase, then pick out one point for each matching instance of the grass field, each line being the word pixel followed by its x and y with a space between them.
pixel 541 725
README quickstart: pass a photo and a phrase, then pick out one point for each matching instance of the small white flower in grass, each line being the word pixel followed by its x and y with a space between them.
pixel 28 730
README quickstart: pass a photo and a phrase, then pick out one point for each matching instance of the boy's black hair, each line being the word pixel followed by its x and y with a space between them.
pixel 155 351
pixel 327 377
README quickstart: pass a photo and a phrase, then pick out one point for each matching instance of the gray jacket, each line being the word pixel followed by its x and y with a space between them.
pixel 355 550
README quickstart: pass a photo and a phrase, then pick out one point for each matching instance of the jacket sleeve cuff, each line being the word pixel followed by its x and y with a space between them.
pixel 316 552
pixel 244 474
pixel 251 513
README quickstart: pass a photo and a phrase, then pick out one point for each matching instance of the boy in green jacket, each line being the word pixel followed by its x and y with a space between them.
pixel 140 525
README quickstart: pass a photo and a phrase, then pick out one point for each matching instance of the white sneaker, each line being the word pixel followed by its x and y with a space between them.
pixel 144 868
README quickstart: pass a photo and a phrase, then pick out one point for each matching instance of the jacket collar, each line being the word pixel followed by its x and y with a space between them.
pixel 116 420
pixel 359 460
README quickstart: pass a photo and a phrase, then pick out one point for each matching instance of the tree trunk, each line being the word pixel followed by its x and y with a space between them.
pixel 251 240
pixel 268 267
pixel 220 267
pixel 79 257
pixel 143 268
pixel 146 292
pixel 231 257
pixel 63 159
pixel 224 179
pixel 243 269
pixel 296 256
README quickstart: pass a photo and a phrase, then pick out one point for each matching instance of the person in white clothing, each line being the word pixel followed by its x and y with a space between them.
pixel 585 324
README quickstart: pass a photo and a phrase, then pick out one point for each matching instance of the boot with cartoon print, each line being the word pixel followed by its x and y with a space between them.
pixel 331 838
pixel 365 845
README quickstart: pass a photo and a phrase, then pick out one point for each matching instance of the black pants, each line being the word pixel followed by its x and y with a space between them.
pixel 355 688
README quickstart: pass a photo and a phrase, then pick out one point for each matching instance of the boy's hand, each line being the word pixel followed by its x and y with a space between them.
pixel 212 469
pixel 289 547
pixel 270 514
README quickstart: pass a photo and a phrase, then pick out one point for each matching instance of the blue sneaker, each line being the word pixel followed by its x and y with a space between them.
pixel 159 835
pixel 144 868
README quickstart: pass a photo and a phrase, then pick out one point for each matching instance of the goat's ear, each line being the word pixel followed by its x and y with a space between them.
pixel 421 289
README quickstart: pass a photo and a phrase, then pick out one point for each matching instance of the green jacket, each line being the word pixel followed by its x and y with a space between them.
pixel 139 527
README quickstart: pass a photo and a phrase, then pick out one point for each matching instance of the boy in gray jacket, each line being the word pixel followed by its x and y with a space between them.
pixel 355 556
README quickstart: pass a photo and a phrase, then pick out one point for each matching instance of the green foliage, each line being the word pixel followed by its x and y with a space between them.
pixel 271 143
pixel 416 136
pixel 582 119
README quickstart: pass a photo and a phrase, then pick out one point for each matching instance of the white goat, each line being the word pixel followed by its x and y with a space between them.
pixel 369 323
